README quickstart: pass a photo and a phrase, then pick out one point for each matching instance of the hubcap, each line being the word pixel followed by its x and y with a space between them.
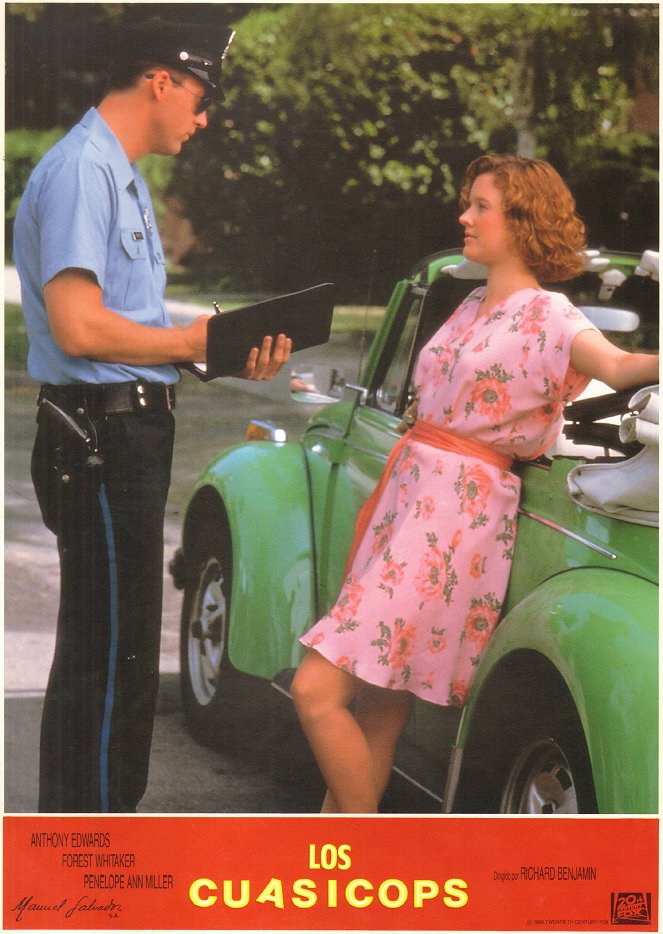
pixel 207 633
pixel 540 782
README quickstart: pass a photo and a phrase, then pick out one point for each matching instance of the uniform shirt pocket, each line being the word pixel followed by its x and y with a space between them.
pixel 134 243
pixel 130 285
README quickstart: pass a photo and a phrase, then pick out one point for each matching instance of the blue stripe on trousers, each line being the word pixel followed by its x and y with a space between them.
pixel 112 650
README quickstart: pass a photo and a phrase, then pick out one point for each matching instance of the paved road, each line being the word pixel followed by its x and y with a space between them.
pixel 271 773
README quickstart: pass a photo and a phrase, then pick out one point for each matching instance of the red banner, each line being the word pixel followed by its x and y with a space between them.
pixel 318 873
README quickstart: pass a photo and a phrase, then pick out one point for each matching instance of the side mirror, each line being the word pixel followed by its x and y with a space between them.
pixel 317 384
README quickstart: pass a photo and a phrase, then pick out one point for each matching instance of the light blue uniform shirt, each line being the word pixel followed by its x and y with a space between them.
pixel 87 207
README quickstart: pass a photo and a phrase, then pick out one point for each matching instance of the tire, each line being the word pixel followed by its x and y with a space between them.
pixel 206 674
pixel 542 780
pixel 526 753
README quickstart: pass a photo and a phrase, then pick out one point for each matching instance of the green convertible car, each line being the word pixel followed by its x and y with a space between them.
pixel 562 714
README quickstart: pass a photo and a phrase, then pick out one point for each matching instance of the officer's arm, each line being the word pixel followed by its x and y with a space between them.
pixel 83 327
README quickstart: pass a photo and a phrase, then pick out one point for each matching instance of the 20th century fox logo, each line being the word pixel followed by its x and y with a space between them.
pixel 630 908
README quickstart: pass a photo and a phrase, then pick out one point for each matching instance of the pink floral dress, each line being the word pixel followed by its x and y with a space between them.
pixel 424 592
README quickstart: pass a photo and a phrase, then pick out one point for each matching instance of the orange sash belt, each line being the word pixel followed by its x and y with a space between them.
pixel 427 433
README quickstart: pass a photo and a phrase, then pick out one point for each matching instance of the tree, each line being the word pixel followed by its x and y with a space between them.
pixel 342 147
pixel 342 126
pixel 349 125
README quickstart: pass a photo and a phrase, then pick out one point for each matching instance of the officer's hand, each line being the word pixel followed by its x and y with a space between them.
pixel 266 361
pixel 195 335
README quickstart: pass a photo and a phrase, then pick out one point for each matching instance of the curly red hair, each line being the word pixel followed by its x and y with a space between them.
pixel 540 212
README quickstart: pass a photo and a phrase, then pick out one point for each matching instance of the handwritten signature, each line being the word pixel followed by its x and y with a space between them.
pixel 67 908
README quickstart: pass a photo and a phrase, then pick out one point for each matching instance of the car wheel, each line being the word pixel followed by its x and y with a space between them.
pixel 204 665
pixel 546 764
pixel 526 752
pixel 541 781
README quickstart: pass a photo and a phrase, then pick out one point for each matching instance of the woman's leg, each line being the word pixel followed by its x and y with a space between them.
pixel 322 693
pixel 355 764
pixel 382 715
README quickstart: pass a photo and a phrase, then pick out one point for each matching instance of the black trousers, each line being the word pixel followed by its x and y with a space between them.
pixel 100 702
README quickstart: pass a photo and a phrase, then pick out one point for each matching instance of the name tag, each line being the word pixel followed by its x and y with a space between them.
pixel 137 235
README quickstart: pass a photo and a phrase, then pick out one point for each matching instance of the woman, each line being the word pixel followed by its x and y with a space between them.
pixel 432 554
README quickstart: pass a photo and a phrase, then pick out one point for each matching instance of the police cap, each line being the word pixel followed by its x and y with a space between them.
pixel 197 50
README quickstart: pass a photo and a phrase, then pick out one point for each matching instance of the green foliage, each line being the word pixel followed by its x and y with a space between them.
pixel 158 173
pixel 617 193
pixel 342 130
pixel 30 12
pixel 348 127
pixel 23 149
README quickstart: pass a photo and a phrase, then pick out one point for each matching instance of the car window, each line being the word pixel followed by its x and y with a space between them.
pixel 390 394
pixel 444 296
pixel 422 321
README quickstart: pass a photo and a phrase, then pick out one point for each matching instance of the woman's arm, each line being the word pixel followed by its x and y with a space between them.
pixel 593 355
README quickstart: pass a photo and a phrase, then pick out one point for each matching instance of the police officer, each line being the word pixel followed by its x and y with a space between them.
pixel 92 271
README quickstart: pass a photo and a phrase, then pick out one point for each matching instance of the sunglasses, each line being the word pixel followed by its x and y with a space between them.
pixel 202 103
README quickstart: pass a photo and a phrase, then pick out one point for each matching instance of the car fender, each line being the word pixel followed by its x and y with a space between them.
pixel 598 628
pixel 264 490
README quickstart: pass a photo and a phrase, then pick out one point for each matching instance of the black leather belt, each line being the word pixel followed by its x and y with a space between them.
pixel 112 398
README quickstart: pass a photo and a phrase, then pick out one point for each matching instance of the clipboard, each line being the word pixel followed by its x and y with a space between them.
pixel 303 316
